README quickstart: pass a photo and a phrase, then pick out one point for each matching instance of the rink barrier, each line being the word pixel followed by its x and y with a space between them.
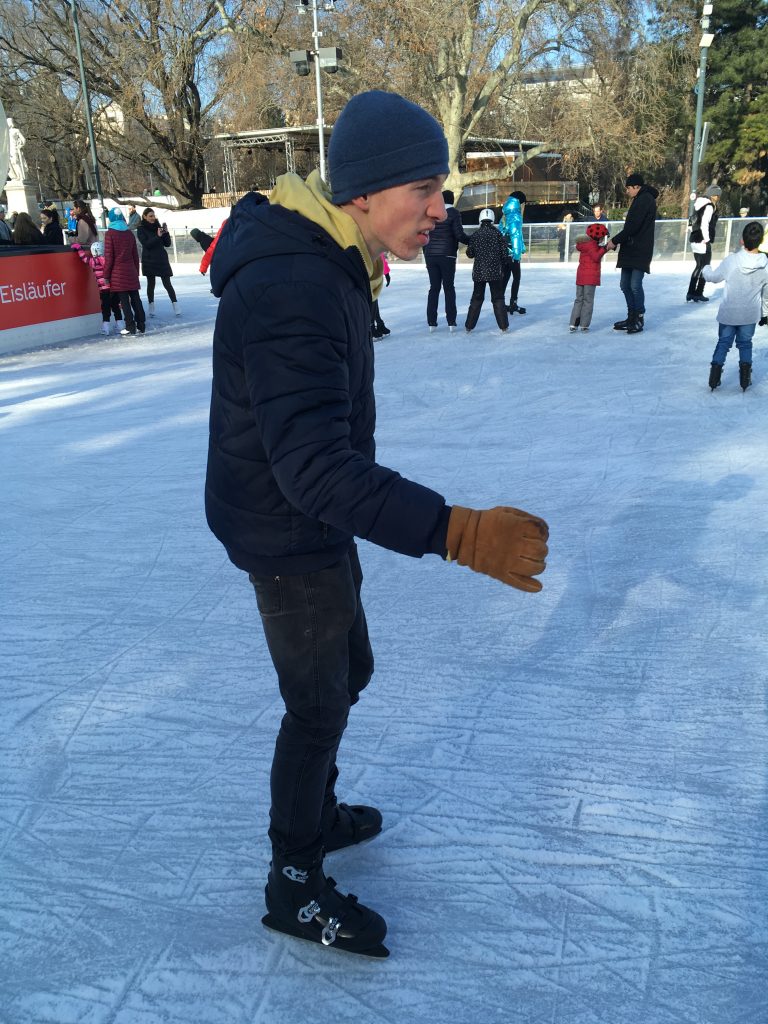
pixel 541 240
pixel 47 296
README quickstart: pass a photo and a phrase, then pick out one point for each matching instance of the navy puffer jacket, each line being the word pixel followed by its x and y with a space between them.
pixel 291 473
pixel 444 237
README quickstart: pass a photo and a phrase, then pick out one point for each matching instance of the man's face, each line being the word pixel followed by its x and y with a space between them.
pixel 399 219
pixel 597 210
pixel 632 190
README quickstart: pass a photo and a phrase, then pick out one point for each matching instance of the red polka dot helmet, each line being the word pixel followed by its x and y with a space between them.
pixel 597 231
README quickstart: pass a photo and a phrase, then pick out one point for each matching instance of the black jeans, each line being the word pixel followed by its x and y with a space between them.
pixel 442 273
pixel 512 271
pixel 133 311
pixel 318 640
pixel 703 259
pixel 166 279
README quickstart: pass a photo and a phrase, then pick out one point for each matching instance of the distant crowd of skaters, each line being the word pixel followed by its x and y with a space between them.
pixel 496 252
pixel 138 244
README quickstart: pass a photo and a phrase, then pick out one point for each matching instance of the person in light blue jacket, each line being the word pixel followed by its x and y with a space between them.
pixel 511 226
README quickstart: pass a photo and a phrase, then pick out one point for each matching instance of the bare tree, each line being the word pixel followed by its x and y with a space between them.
pixel 148 63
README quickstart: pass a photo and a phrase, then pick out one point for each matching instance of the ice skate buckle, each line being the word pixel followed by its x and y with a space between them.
pixel 329 932
pixel 306 914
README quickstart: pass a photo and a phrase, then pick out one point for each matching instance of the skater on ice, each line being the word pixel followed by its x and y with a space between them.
pixel 702 236
pixel 743 306
pixel 292 478
pixel 635 245
pixel 591 249
pixel 511 226
pixel 440 255
pixel 489 251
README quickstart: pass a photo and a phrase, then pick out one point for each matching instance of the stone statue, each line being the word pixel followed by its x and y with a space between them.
pixel 17 167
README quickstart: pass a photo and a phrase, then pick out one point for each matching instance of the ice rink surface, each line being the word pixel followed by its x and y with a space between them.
pixel 574 784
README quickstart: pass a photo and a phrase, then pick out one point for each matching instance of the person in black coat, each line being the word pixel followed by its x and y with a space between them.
pixel 292 476
pixel 488 249
pixel 635 245
pixel 154 239
pixel 440 257
pixel 52 232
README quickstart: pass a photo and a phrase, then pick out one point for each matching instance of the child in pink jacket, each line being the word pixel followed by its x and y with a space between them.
pixel 110 301
pixel 591 249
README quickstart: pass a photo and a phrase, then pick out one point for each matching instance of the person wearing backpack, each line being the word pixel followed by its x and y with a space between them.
pixel 703 222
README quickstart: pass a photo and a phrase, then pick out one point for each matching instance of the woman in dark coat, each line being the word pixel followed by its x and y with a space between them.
pixel 154 240
pixel 49 222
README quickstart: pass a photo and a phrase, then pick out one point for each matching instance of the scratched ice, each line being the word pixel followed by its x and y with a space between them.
pixel 573 784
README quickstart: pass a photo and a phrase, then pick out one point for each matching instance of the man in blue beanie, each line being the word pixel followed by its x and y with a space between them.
pixel 292 477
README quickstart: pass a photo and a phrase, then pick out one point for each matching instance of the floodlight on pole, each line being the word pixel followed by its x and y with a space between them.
pixel 705 42
pixel 87 109
pixel 325 58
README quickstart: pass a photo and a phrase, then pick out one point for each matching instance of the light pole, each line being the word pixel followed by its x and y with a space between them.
pixel 704 44
pixel 87 109
pixel 326 58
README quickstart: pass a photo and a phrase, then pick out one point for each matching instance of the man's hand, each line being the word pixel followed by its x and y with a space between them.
pixel 610 246
pixel 763 321
pixel 506 543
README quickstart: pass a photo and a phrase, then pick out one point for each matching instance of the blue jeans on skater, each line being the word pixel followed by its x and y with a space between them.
pixel 317 636
pixel 632 285
pixel 727 334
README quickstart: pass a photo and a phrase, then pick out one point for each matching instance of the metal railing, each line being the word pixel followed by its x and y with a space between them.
pixel 543 242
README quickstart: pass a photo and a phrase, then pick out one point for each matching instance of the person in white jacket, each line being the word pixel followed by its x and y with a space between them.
pixel 744 304
pixel 702 237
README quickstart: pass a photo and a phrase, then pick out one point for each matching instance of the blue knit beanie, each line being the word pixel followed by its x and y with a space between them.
pixel 117 220
pixel 379 140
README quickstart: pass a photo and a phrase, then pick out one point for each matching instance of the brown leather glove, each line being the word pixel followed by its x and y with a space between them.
pixel 502 542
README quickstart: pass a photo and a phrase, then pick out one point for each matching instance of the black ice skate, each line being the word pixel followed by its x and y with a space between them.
pixel 636 326
pixel 715 374
pixel 303 903
pixel 745 375
pixel 349 824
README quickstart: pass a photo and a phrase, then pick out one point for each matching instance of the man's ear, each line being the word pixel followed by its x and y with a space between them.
pixel 361 202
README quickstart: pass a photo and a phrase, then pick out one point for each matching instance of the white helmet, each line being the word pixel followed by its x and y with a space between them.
pixel 97 248
pixel 487 215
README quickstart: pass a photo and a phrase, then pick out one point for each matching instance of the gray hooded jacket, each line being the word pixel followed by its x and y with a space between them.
pixel 746 287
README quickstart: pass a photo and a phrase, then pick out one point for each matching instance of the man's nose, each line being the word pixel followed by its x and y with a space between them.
pixel 437 208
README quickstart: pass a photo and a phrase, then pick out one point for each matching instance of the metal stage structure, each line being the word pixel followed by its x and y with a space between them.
pixel 288 141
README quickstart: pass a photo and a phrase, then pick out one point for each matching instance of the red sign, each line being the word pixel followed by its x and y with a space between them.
pixel 41 287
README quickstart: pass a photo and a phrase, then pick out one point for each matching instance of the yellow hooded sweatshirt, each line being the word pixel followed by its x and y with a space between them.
pixel 312 200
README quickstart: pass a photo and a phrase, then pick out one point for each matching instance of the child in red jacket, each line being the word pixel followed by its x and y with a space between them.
pixel 110 301
pixel 591 248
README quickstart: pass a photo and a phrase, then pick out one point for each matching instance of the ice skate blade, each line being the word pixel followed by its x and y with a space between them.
pixel 378 952
pixel 350 846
